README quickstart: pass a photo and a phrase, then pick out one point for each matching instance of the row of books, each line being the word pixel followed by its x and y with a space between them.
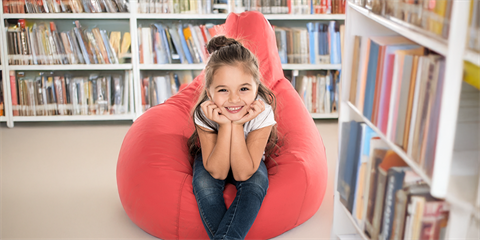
pixel 64 6
pixel 156 88
pixel 433 16
pixel 238 6
pixel 398 86
pixel 319 92
pixel 318 43
pixel 387 199
pixel 474 26
pixel 178 43
pixel 50 94
pixel 42 43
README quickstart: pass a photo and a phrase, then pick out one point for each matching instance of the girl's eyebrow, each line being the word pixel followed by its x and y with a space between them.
pixel 220 86
pixel 224 86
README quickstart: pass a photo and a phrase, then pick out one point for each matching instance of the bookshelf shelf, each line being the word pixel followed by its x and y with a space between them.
pixel 311 66
pixel 392 146
pixel 171 66
pixel 305 17
pixel 324 115
pixel 472 57
pixel 201 66
pixel 3 119
pixel 224 16
pixel 74 118
pixel 67 16
pixel 415 34
pixel 180 16
pixel 71 67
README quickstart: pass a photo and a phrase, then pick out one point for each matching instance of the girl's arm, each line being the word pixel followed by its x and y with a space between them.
pixel 247 154
pixel 216 151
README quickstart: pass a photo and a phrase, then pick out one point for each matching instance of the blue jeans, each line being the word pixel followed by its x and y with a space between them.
pixel 235 222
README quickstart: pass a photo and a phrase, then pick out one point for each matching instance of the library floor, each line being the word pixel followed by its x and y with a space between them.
pixel 58 182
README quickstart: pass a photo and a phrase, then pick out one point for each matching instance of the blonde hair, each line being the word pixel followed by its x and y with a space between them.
pixel 229 52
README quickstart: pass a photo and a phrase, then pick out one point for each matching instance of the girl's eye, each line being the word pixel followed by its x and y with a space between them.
pixel 244 89
pixel 222 90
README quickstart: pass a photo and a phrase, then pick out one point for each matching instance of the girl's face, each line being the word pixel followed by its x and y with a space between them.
pixel 233 91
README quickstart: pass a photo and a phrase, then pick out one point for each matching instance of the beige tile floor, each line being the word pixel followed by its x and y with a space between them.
pixel 58 182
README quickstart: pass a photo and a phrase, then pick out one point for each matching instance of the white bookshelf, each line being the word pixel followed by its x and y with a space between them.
pixel 134 19
pixel 455 174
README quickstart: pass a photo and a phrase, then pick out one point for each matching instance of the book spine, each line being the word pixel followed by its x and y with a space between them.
pixel 13 88
pixel 394 183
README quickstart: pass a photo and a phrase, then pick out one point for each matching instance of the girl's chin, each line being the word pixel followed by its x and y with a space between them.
pixel 235 117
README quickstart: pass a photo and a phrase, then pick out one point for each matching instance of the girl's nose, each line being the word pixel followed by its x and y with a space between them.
pixel 233 98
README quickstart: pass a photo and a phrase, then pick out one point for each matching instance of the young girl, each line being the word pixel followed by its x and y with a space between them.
pixel 235 126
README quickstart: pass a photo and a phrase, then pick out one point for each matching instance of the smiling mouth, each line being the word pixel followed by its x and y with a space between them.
pixel 233 109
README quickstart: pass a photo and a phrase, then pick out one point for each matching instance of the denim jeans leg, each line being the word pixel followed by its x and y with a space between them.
pixel 208 192
pixel 241 214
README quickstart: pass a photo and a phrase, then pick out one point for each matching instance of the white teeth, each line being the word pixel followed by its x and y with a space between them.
pixel 233 109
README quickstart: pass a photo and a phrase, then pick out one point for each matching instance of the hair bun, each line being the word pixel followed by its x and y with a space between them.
pixel 220 41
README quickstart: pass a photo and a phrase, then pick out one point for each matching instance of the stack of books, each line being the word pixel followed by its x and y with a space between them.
pixel 398 86
pixel 474 26
pixel 50 94
pixel 433 16
pixel 44 44
pixel 227 6
pixel 318 92
pixel 178 43
pixel 63 6
pixel 318 43
pixel 387 199
pixel 156 88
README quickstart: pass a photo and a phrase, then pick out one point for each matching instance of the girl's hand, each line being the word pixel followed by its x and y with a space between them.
pixel 214 113
pixel 256 108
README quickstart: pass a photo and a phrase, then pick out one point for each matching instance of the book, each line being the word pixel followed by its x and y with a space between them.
pixel 184 44
pixel 348 165
pixel 362 73
pixel 13 87
pixel 355 65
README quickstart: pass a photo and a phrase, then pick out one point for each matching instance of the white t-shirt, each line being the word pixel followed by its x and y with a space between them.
pixel 264 119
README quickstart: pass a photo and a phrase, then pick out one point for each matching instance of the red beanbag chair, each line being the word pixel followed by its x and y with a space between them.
pixel 154 170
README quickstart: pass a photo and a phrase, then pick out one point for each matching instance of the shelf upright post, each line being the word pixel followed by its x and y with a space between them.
pixel 450 98
pixel 339 218
pixel 135 59
pixel 7 95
